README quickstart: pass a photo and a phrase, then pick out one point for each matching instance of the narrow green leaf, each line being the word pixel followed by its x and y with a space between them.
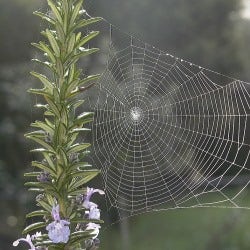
pixel 39 105
pixel 59 67
pixel 50 199
pixel 71 43
pixel 53 42
pixel 37 213
pixel 77 130
pixel 65 6
pixel 78 182
pixel 74 239
pixel 80 166
pixel 78 147
pixel 87 38
pixel 64 114
pixel 49 243
pixel 48 113
pixel 44 185
pixel 45 17
pixel 60 31
pixel 72 85
pixel 41 142
pixel 63 156
pixel 88 79
pixel 84 115
pixel 44 167
pixel 75 85
pixel 84 52
pixel 43 92
pixel 38 134
pixel 49 158
pixel 76 10
pixel 60 134
pixel 84 118
pixel 45 64
pixel 44 126
pixel 43 79
pixel 86 22
pixel 42 150
pixel 78 36
pixel 85 173
pixel 86 221
pixel 77 103
pixel 49 123
pixel 80 234
pixel 33 227
pixel 48 52
pixel 53 106
pixel 36 190
pixel 77 192
pixel 45 205
pixel 55 11
pixel 32 174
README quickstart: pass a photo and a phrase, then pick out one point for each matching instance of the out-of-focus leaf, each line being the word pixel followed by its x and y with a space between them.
pixel 45 17
pixel 86 22
pixel 43 79
pixel 87 38
pixel 75 13
pixel 44 167
pixel 78 147
pixel 37 213
pixel 55 11
pixel 33 227
pixel 77 182
pixel 53 42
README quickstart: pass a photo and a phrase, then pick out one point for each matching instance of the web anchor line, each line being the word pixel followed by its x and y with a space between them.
pixel 172 134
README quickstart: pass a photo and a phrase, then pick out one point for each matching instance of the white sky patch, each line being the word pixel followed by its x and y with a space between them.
pixel 246 9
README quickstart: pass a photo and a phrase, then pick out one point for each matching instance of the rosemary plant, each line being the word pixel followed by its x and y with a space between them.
pixel 68 219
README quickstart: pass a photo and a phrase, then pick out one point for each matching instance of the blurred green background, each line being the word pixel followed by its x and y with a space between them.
pixel 212 33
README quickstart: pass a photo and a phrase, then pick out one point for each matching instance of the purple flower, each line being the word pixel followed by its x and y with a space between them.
pixel 43 177
pixel 94 213
pixel 90 191
pixel 58 230
pixel 28 240
pixel 95 227
pixel 56 213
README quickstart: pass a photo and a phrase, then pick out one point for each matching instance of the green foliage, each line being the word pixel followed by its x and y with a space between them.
pixel 17 29
pixel 57 135
pixel 204 32
pixel 183 229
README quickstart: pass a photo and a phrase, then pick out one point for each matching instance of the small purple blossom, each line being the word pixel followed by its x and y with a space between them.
pixel 44 177
pixel 90 191
pixel 58 230
pixel 56 213
pixel 28 240
pixel 94 213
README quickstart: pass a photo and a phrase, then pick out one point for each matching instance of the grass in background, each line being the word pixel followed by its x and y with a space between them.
pixel 183 229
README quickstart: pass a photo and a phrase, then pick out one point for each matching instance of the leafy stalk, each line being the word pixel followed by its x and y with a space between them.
pixel 60 176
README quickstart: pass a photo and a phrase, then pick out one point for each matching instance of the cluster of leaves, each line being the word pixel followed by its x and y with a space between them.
pixel 62 172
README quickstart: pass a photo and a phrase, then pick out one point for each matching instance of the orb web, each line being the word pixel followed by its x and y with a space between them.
pixel 167 133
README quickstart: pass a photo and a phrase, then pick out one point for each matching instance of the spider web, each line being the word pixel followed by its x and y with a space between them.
pixel 167 133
